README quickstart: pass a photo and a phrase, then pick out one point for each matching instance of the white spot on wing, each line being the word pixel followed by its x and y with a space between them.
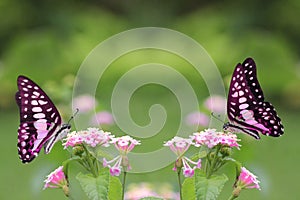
pixel 243 106
pixel 43 102
pixel 37 109
pixel 242 99
pixel 23 143
pixel 34 103
pixel 36 93
pixel 39 115
pixel 24 151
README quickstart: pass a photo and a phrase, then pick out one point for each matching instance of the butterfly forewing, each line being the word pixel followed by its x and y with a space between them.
pixel 246 108
pixel 39 118
pixel 249 69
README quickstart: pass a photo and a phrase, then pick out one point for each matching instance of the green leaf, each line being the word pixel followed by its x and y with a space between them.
pixel 238 166
pixel 188 189
pixel 115 188
pixel 103 187
pixel 99 152
pixel 200 154
pixel 66 163
pixel 151 198
pixel 208 189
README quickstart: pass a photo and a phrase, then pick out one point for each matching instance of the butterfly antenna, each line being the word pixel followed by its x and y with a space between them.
pixel 217 117
pixel 74 114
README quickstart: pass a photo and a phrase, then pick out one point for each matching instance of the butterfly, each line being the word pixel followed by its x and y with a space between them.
pixel 247 109
pixel 40 122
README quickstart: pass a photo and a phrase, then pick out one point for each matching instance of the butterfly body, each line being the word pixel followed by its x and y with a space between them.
pixel 247 110
pixel 40 121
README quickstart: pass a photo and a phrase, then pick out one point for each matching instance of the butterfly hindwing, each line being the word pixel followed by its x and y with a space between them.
pixel 39 118
pixel 246 107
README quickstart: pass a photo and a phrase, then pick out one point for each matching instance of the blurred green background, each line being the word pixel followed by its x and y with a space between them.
pixel 48 40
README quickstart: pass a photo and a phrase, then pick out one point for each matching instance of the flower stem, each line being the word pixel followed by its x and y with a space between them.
pixel 179 182
pixel 123 184
pixel 214 161
pixel 232 197
pixel 235 193
pixel 90 162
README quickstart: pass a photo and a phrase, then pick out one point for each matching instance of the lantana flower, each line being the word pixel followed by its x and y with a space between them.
pixel 211 138
pixel 124 145
pixel 91 137
pixel 57 179
pixel 247 180
pixel 179 146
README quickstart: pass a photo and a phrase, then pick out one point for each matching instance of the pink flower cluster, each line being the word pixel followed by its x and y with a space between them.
pixel 247 179
pixel 179 146
pixel 211 138
pixel 124 145
pixel 91 137
pixel 56 179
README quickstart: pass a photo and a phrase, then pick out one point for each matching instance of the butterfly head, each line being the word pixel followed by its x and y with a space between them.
pixel 226 126
pixel 66 127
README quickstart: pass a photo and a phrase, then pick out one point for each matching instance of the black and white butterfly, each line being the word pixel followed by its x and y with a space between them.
pixel 247 109
pixel 40 121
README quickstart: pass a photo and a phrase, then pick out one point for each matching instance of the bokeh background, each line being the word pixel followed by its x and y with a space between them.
pixel 48 40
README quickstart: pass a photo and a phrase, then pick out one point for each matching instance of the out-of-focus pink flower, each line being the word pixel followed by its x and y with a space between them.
pixel 211 138
pixel 197 118
pixel 91 137
pixel 84 103
pixel 179 146
pixel 215 103
pixel 136 192
pixel 102 118
pixel 247 180
pixel 56 179
pixel 124 145
pixel 142 190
